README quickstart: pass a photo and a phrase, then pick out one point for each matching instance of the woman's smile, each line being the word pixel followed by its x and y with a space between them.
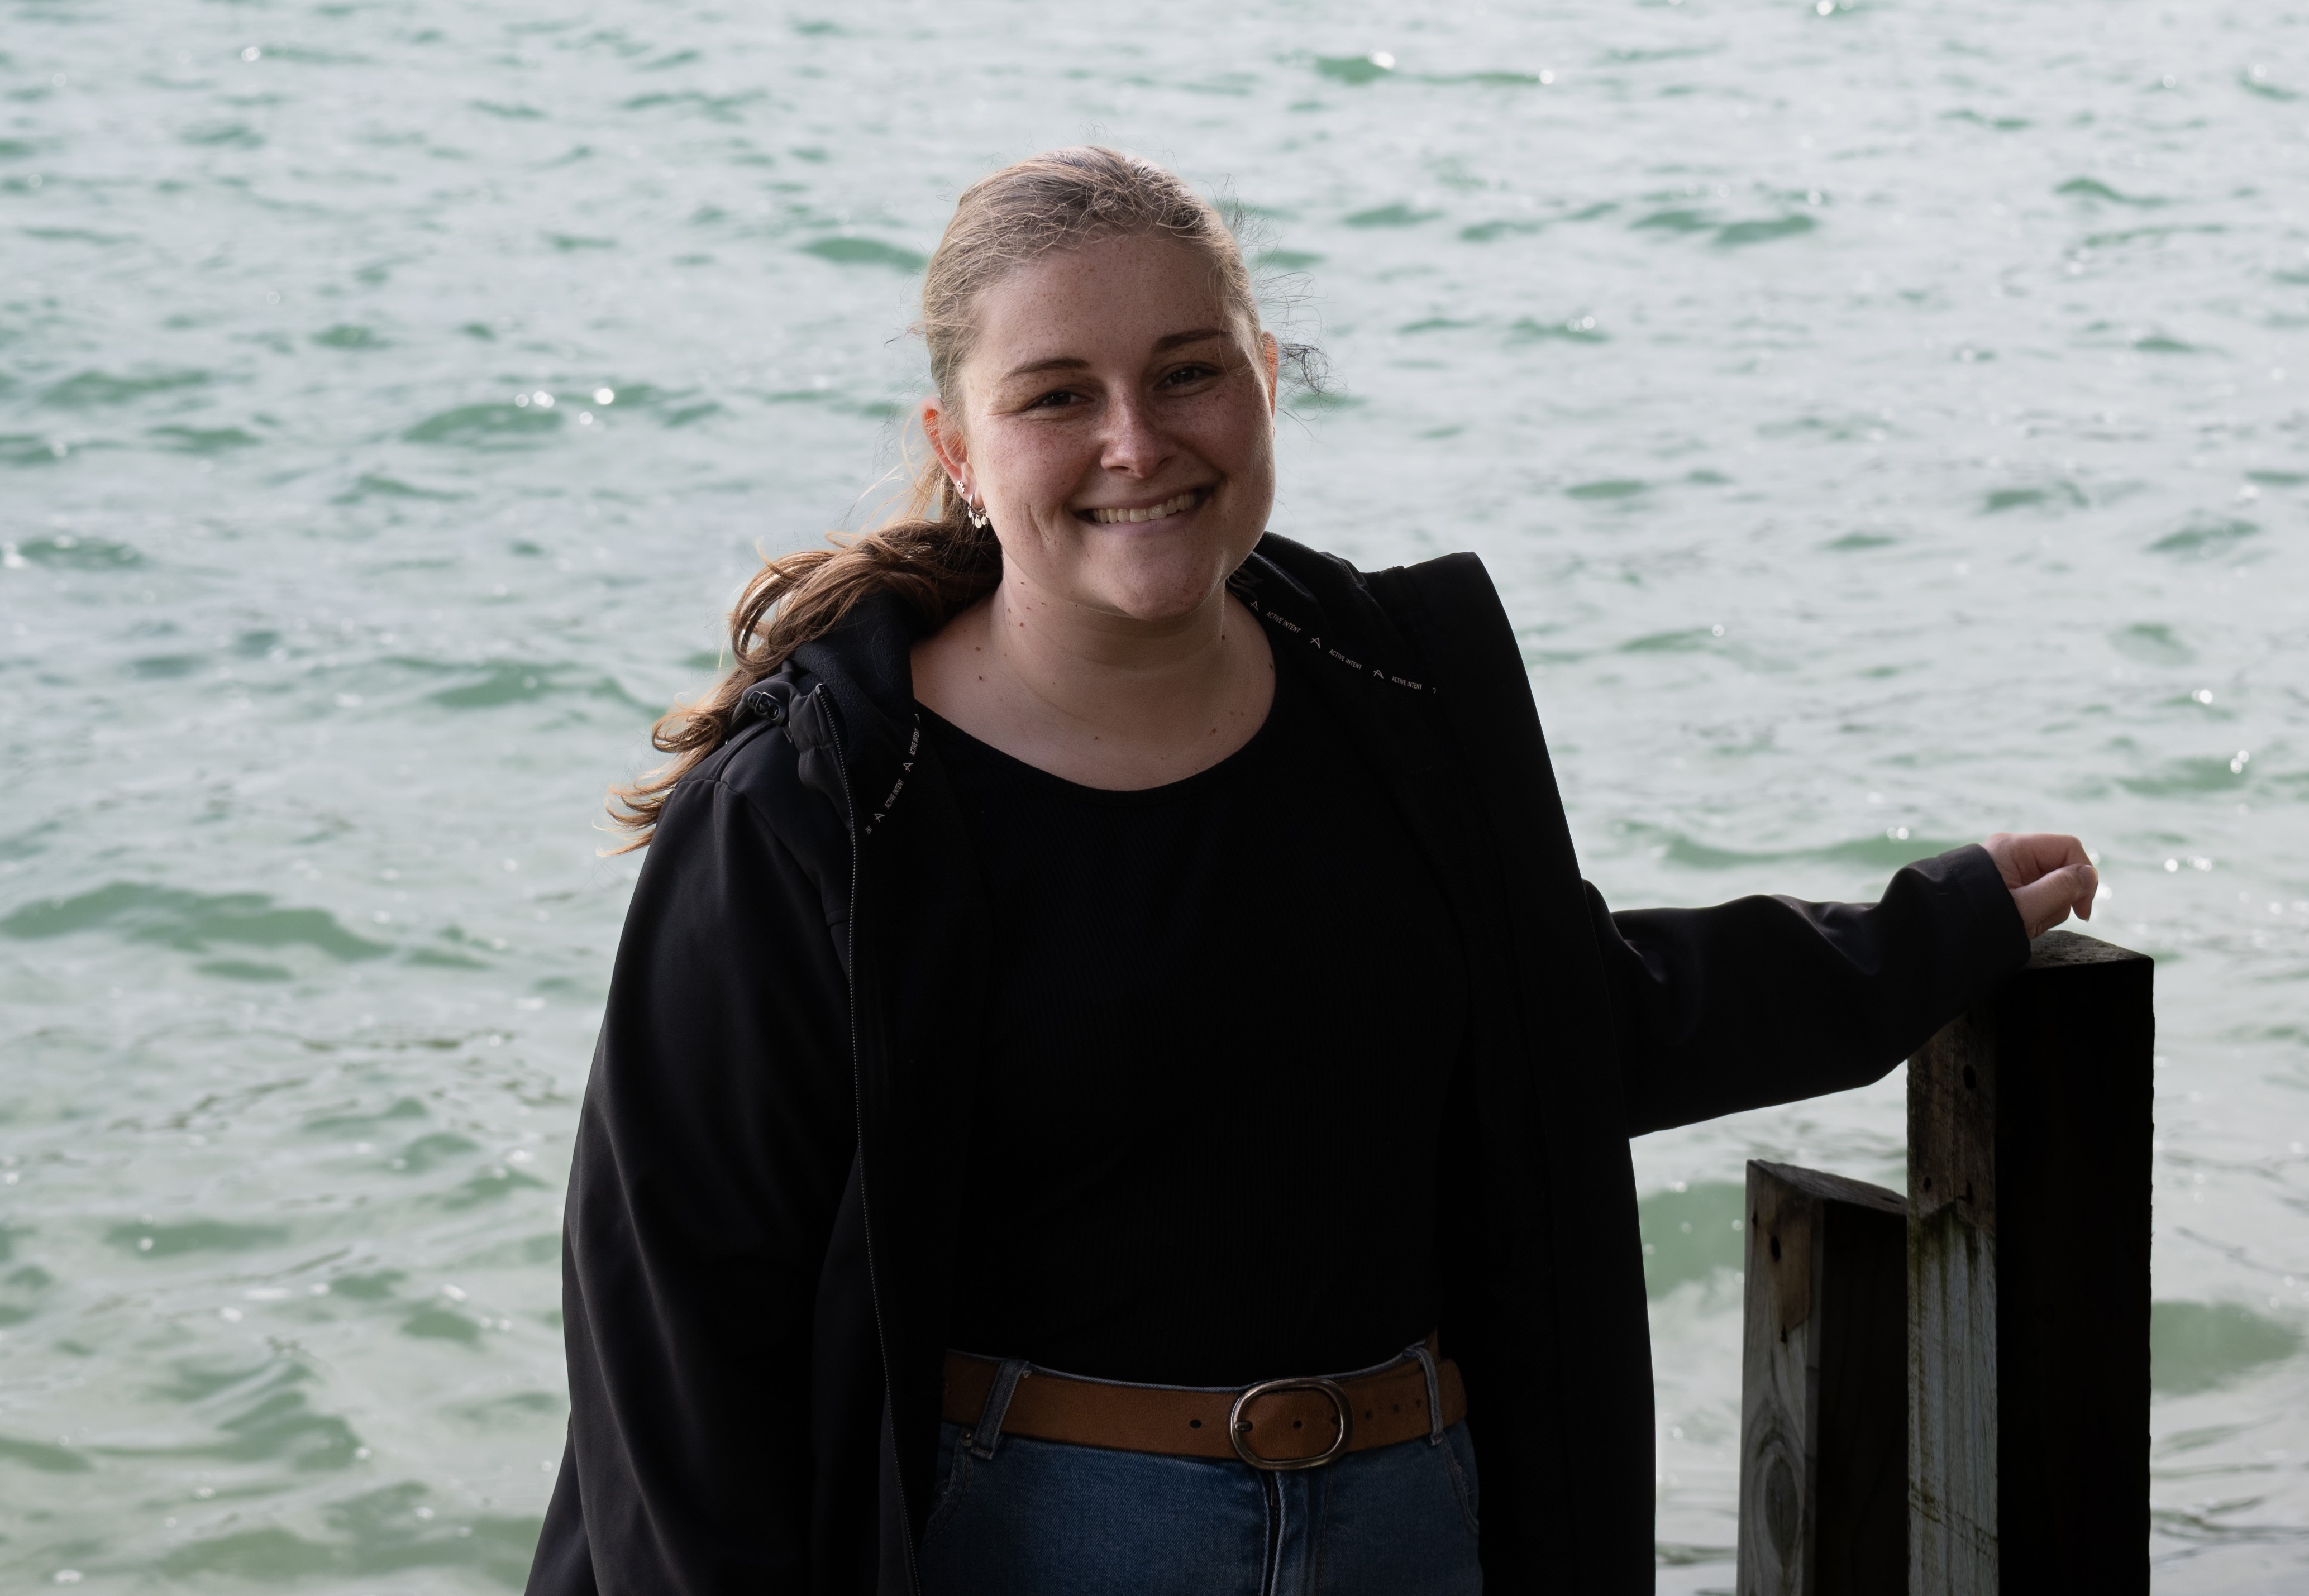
pixel 1177 504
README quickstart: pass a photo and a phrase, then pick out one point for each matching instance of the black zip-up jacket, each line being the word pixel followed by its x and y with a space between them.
pixel 759 1249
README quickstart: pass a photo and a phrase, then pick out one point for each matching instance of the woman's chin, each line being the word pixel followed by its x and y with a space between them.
pixel 1154 591
pixel 1154 572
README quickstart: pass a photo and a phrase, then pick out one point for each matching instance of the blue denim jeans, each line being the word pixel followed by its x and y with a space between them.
pixel 1040 1518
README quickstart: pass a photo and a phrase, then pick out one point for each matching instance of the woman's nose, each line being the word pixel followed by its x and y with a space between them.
pixel 1133 444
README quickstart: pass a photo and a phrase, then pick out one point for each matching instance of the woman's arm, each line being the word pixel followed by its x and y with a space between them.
pixel 1766 1000
pixel 712 1149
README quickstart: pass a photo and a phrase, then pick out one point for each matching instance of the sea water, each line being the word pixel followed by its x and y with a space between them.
pixel 1886 422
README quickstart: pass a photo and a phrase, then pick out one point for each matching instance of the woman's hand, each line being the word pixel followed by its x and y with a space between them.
pixel 2048 875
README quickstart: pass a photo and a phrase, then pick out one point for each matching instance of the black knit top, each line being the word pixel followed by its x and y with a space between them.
pixel 1224 1016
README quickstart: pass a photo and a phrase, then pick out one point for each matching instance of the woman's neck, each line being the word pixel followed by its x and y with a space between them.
pixel 1097 698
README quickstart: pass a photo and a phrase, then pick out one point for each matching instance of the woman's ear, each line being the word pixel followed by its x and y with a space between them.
pixel 946 440
pixel 1270 349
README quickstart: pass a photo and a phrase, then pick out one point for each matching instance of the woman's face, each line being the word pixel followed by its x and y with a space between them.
pixel 1116 429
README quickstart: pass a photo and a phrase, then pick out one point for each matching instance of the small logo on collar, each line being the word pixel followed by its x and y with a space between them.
pixel 905 766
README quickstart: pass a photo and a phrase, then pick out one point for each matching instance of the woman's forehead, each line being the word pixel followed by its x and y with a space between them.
pixel 1115 296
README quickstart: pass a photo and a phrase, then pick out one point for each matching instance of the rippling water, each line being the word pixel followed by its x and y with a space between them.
pixel 1887 425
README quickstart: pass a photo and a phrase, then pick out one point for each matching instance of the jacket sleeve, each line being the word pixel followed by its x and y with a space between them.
pixel 712 1146
pixel 1766 1000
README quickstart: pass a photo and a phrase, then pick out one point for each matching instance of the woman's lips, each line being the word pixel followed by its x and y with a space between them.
pixel 1177 504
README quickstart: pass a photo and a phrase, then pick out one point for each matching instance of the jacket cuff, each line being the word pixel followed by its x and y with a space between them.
pixel 2003 933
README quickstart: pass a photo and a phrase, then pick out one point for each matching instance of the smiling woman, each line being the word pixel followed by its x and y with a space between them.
pixel 1120 439
pixel 1110 1017
pixel 1035 259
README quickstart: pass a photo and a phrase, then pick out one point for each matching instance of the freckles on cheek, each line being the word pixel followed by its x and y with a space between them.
pixel 1040 475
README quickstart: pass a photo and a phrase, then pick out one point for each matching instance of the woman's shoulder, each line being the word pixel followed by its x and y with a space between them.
pixel 1405 623
pixel 831 727
pixel 772 765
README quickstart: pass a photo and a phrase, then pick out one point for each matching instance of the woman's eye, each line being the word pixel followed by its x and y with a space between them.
pixel 1055 400
pixel 1191 374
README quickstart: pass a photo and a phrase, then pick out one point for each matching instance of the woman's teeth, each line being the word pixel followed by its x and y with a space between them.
pixel 1161 512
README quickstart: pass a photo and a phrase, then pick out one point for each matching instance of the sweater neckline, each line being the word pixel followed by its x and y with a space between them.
pixel 954 738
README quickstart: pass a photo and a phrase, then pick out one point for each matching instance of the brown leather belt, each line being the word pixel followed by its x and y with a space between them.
pixel 1277 1424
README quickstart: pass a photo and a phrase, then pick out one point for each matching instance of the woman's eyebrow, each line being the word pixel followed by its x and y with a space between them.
pixel 1180 340
pixel 1162 345
pixel 1056 363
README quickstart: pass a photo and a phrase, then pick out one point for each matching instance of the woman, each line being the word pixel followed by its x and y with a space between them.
pixel 1113 1081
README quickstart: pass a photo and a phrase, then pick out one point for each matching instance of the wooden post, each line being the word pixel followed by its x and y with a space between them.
pixel 1823 1460
pixel 2028 1216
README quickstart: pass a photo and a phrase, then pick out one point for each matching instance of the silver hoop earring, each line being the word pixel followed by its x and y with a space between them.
pixel 977 516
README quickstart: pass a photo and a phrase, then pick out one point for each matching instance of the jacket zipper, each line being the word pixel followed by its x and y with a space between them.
pixel 858 1107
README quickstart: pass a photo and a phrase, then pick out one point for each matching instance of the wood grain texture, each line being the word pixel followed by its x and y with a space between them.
pixel 2029 1126
pixel 1822 1508
pixel 1951 1400
pixel 1775 1387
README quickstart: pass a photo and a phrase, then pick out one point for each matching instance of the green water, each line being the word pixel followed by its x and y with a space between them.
pixel 1886 427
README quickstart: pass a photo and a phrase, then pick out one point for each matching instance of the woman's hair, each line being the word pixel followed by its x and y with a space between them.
pixel 927 553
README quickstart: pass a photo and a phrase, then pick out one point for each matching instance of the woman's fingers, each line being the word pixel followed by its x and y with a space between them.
pixel 2044 852
pixel 2046 901
pixel 2048 874
pixel 2023 858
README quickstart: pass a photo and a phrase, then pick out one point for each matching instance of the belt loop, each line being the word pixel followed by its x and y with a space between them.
pixel 988 1434
pixel 1426 1357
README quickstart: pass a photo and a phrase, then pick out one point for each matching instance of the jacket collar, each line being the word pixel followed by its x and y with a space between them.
pixel 865 663
pixel 866 660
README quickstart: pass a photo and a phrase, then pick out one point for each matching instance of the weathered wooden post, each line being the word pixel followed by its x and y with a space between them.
pixel 1823 1408
pixel 2028 1216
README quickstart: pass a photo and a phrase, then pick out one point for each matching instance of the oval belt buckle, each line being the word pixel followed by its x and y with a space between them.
pixel 1237 1425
